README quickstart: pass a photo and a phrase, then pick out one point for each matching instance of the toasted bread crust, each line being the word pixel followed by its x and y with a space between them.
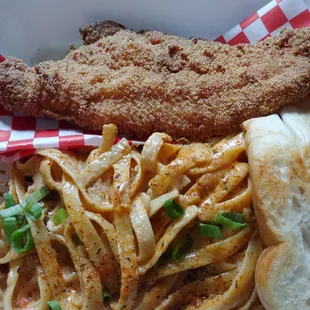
pixel 270 263
pixel 279 159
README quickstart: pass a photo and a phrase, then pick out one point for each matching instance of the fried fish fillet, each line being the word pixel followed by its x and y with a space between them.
pixel 145 82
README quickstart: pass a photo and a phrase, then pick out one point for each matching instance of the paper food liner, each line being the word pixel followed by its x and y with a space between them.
pixel 20 135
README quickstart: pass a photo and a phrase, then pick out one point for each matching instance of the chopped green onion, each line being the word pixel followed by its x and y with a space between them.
pixel 231 220
pixel 181 249
pixel 54 305
pixel 34 212
pixel 26 205
pixel 9 200
pixel 106 294
pixel 35 197
pixel 210 230
pixel 60 216
pixel 22 239
pixel 11 211
pixel 29 206
pixel 173 209
pixel 20 218
pixel 9 225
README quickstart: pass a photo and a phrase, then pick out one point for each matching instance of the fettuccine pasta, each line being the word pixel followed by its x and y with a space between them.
pixel 158 226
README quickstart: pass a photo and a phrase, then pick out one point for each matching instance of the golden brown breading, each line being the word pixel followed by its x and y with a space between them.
pixel 188 88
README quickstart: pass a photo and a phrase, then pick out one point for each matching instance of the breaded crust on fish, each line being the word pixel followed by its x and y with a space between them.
pixel 145 82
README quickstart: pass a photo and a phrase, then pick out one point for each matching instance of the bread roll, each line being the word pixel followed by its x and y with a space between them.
pixel 278 148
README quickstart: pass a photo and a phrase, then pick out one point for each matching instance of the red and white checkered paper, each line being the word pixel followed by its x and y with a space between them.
pixel 20 135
